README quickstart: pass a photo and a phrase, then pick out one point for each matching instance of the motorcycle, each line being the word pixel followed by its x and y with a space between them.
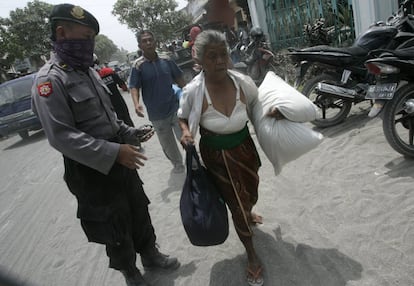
pixel 256 59
pixel 394 88
pixel 342 69
pixel 236 49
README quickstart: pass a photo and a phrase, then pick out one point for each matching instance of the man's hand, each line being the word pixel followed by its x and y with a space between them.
pixel 139 109
pixel 129 157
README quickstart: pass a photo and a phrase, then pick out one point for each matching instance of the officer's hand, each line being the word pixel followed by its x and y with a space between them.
pixel 139 109
pixel 129 157
pixel 145 132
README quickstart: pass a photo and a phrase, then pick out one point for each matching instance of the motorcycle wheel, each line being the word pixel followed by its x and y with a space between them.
pixel 333 110
pixel 398 124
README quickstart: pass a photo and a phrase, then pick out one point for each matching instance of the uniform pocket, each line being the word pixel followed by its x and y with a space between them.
pixel 85 105
pixel 102 225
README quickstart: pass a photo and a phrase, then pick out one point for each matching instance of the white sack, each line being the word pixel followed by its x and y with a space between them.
pixel 284 140
pixel 274 91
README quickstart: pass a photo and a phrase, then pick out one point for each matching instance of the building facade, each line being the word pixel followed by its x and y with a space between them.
pixel 283 20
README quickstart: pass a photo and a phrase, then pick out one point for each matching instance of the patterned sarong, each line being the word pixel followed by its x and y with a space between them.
pixel 234 170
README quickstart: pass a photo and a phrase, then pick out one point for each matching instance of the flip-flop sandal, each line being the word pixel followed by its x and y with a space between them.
pixel 255 278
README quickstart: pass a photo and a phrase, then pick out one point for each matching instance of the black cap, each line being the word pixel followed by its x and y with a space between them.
pixel 72 13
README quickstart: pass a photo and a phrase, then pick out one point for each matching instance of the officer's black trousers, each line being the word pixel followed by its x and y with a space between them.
pixel 113 210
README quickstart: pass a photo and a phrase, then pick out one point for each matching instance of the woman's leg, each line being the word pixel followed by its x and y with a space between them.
pixel 235 172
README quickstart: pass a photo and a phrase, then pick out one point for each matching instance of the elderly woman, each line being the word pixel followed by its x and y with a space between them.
pixel 218 102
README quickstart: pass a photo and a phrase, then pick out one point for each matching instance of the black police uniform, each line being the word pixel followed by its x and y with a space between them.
pixel 113 81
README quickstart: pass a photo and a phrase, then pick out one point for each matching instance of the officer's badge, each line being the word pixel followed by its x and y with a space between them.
pixel 45 89
pixel 77 12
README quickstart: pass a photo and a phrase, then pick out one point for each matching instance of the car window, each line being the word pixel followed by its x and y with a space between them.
pixel 6 95
pixel 16 90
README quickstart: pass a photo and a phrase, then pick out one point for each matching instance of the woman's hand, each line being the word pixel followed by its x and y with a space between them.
pixel 187 139
pixel 275 113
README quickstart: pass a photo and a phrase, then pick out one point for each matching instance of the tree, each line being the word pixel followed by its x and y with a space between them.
pixel 25 34
pixel 5 59
pixel 120 55
pixel 104 48
pixel 159 16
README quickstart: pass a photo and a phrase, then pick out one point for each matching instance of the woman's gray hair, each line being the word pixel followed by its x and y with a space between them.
pixel 205 38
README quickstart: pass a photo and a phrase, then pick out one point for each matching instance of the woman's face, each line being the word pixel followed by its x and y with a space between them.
pixel 215 59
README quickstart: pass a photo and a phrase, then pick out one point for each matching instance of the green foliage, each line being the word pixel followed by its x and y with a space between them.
pixel 4 40
pixel 25 33
pixel 107 51
pixel 159 16
pixel 120 55
pixel 104 48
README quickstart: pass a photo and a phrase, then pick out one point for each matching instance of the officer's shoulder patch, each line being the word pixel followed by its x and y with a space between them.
pixel 45 88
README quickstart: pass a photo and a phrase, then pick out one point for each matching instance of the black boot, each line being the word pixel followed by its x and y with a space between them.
pixel 153 259
pixel 134 278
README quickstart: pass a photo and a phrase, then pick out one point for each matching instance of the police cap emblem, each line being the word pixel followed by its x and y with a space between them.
pixel 72 13
pixel 77 12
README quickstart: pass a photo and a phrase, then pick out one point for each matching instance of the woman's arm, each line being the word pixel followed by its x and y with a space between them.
pixel 186 138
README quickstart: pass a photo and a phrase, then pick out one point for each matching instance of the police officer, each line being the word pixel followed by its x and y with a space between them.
pixel 113 81
pixel 98 149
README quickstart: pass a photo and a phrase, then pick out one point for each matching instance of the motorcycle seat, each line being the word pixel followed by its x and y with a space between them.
pixel 352 50
pixel 402 54
pixel 405 54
